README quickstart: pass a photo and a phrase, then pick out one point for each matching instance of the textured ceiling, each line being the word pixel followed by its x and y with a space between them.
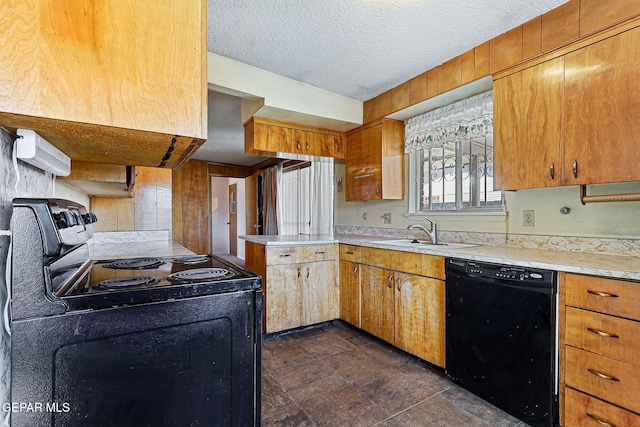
pixel 359 48
pixel 355 48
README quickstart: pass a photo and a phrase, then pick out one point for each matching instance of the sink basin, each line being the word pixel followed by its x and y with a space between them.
pixel 423 243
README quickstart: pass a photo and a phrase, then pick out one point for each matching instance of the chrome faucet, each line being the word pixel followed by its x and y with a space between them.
pixel 433 234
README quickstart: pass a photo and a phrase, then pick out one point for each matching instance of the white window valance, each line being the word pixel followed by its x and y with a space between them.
pixel 466 119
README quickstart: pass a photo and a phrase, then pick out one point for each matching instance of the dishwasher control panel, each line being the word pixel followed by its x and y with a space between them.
pixel 503 272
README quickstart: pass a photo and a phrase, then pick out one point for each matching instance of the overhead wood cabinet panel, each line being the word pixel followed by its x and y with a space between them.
pixel 560 25
pixel 532 38
pixel 450 75
pixel 481 63
pixel 467 67
pixel 107 81
pixel 505 49
pixel 597 14
pixel 418 87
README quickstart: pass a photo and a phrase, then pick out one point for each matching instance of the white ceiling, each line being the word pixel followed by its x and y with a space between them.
pixel 355 48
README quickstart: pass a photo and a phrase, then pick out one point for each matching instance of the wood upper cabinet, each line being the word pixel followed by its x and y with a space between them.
pixel 374 161
pixel 102 179
pixel 108 82
pixel 602 111
pixel 576 114
pixel 528 123
pixel 268 137
pixel 420 316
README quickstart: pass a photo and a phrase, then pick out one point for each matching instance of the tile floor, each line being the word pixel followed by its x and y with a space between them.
pixel 336 375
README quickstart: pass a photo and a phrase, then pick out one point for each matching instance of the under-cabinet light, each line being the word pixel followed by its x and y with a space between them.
pixel 37 151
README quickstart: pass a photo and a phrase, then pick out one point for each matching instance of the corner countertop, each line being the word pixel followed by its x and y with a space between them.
pixel 614 266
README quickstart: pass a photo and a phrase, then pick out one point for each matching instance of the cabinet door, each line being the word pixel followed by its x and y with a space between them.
pixel 350 292
pixel 420 317
pixel 284 297
pixel 377 303
pixel 321 292
pixel 363 157
pixel 528 127
pixel 602 111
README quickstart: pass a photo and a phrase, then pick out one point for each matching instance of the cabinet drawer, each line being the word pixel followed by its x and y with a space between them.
pixel 350 253
pixel 319 253
pixel 284 255
pixel 617 297
pixel 584 410
pixel 408 262
pixel 617 382
pixel 607 335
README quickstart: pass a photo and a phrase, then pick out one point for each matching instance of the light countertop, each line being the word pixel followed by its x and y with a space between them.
pixel 615 266
pixel 121 250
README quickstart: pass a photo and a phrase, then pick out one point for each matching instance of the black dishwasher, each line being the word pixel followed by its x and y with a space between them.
pixel 501 336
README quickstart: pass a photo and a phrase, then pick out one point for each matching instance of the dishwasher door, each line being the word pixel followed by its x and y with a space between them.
pixel 501 337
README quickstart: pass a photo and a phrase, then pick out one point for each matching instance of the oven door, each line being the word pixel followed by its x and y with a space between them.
pixel 178 363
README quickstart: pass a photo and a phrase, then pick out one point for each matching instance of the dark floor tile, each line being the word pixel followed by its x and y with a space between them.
pixel 435 412
pixel 423 373
pixel 353 364
pixel 385 353
pixel 344 406
pixel 273 396
pixel 288 416
pixel 283 352
pixel 325 344
pixel 307 380
pixel 479 408
pixel 394 391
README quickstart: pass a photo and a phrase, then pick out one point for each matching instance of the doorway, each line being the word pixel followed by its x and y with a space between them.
pixel 227 213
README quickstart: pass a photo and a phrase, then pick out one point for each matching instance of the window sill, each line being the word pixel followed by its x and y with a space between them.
pixel 490 215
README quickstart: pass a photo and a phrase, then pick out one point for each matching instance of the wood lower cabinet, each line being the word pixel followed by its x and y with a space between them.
pixel 420 316
pixel 300 284
pixel 377 304
pixel 600 366
pixel 374 161
pixel 398 303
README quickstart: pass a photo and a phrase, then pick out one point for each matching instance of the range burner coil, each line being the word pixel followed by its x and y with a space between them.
pixel 191 260
pixel 124 282
pixel 135 264
pixel 199 275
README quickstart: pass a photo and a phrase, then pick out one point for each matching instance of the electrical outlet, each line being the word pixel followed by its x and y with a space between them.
pixel 387 218
pixel 528 218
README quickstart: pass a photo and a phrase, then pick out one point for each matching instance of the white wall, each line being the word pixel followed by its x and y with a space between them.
pixel 606 220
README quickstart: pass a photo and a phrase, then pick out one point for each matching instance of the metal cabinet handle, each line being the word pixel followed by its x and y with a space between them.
pixel 398 282
pixel 306 144
pixel 601 375
pixel 390 281
pixel 298 271
pixel 319 252
pixel 350 253
pixel 599 421
pixel 602 294
pixel 602 333
pixel 552 171
pixel 298 145
pixel 307 272
pixel 366 175
pixel 378 191
pixel 285 255
pixel 355 272
pixel 575 168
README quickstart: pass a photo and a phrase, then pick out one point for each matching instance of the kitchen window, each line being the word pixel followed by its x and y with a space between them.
pixel 451 158
pixel 305 200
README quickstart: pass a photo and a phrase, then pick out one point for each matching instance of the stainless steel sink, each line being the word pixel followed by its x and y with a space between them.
pixel 422 243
